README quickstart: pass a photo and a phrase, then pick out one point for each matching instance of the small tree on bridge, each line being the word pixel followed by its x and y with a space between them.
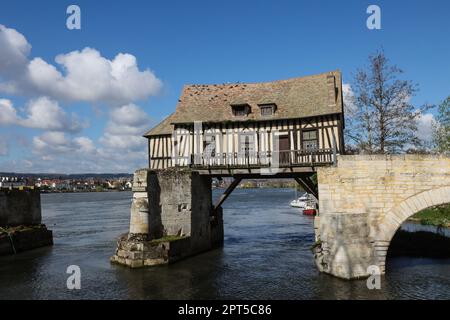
pixel 380 117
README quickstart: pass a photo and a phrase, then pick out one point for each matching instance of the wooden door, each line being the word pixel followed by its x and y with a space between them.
pixel 284 148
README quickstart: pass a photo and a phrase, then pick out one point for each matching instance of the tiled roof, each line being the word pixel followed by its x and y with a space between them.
pixel 295 98
pixel 162 128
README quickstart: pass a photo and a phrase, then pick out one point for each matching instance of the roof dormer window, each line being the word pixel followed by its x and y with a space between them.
pixel 240 110
pixel 267 109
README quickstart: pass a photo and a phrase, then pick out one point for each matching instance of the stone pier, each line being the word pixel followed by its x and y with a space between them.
pixel 170 218
pixel 21 225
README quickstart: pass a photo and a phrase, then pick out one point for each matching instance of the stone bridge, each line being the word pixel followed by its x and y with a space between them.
pixel 363 202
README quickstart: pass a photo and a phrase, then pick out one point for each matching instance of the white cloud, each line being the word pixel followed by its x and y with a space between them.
pixel 51 142
pixel 122 141
pixel 85 75
pixel 8 114
pixel 349 97
pixel 125 128
pixel 58 152
pixel 121 148
pixel 425 127
pixel 131 115
pixel 41 113
pixel 91 77
pixel 44 113
pixel 84 145
pixel 14 51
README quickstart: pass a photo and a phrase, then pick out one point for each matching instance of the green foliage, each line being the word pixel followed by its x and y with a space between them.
pixel 436 216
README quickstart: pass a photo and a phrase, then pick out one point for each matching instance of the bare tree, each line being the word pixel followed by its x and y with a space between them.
pixel 380 117
pixel 441 129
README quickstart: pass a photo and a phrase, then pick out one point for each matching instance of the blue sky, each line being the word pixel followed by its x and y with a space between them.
pixel 181 42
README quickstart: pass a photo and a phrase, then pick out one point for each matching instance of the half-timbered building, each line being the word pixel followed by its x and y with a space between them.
pixel 292 123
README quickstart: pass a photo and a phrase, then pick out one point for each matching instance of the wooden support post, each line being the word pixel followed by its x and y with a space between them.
pixel 314 186
pixel 308 186
pixel 226 194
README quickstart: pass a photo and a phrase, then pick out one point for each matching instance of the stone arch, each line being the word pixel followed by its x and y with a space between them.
pixel 397 215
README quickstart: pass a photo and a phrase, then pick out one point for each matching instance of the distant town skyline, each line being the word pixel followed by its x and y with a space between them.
pixel 74 101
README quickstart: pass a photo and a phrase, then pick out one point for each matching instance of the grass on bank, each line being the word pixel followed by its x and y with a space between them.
pixel 436 216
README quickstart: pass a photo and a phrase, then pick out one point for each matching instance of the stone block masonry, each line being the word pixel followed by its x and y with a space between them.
pixel 20 207
pixel 20 221
pixel 170 218
pixel 363 202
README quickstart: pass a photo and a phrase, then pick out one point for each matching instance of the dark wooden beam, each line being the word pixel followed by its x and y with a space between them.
pixel 307 185
pixel 226 194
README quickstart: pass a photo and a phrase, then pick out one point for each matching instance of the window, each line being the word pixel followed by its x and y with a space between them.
pixel 309 140
pixel 267 109
pixel 241 110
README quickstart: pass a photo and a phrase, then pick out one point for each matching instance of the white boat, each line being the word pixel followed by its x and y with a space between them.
pixel 305 201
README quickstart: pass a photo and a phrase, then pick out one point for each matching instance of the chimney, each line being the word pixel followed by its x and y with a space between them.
pixel 331 86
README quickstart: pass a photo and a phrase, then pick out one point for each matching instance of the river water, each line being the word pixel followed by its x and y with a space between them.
pixel 266 255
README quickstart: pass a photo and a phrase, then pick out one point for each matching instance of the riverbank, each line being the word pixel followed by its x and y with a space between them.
pixel 438 216
pixel 85 191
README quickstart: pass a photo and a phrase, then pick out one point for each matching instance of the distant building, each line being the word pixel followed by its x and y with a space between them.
pixel 12 182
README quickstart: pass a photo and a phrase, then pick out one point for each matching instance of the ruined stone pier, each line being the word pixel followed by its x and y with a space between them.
pixel 21 225
pixel 171 218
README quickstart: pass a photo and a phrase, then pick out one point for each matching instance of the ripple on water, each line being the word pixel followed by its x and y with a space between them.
pixel 266 255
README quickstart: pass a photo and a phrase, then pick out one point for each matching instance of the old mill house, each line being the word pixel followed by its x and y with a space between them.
pixel 294 124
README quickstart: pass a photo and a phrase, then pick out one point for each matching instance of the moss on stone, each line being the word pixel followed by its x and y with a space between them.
pixel 167 239
pixel 12 230
pixel 316 245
